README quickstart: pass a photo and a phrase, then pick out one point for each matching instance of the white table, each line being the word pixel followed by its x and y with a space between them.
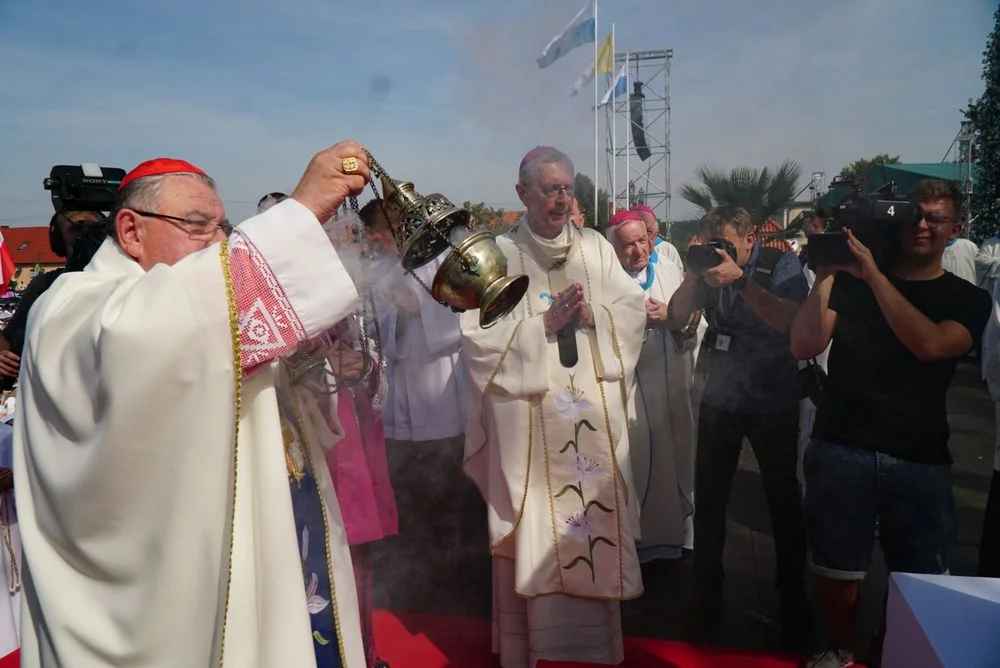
pixel 941 621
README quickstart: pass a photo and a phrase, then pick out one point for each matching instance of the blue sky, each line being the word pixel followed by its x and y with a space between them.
pixel 446 93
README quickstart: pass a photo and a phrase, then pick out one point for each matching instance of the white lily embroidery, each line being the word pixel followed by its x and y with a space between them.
pixel 305 542
pixel 570 403
pixel 314 601
pixel 578 525
pixel 586 468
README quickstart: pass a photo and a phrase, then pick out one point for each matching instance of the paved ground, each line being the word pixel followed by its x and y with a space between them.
pixel 407 581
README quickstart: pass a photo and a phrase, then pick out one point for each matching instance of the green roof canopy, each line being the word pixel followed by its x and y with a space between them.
pixel 905 175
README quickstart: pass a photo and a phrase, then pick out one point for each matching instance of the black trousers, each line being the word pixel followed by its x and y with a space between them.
pixel 989 544
pixel 774 438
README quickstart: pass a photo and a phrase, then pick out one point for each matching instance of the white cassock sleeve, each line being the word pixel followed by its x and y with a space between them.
pixel 285 299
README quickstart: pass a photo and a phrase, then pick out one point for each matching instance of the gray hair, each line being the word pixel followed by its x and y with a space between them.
pixel 529 169
pixel 611 232
pixel 144 193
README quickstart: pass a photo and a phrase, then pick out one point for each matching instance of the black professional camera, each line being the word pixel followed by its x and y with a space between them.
pixel 876 219
pixel 86 187
pixel 703 256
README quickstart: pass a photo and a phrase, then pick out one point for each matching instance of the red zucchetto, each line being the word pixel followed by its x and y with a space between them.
pixel 624 217
pixel 159 166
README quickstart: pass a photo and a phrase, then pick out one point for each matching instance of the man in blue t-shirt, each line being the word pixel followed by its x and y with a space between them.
pixel 879 447
pixel 752 391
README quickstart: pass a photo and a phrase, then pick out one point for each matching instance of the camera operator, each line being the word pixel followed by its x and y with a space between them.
pixel 63 230
pixel 752 390
pixel 880 444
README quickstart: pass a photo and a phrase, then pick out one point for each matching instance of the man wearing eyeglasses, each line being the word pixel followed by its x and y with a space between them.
pixel 879 446
pixel 151 469
pixel 547 442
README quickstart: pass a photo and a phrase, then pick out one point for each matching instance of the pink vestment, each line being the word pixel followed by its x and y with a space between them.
pixel 360 471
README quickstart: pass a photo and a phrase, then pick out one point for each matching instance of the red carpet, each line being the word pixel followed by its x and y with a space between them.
pixel 428 641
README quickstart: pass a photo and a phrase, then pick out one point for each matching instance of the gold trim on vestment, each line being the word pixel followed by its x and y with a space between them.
pixel 234 335
pixel 548 486
pixel 293 402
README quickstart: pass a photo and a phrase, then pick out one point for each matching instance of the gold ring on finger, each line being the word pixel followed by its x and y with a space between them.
pixel 349 165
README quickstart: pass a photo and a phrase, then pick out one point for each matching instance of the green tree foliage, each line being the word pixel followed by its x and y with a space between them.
pixel 762 192
pixel 584 188
pixel 681 232
pixel 487 216
pixel 985 205
pixel 859 168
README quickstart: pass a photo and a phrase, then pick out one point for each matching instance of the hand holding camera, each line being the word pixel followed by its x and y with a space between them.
pixel 715 262
pixel 863 267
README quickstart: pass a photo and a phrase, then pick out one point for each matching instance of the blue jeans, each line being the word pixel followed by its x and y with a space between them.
pixel 847 488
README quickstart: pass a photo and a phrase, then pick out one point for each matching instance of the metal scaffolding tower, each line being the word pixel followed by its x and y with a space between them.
pixel 639 172
pixel 960 152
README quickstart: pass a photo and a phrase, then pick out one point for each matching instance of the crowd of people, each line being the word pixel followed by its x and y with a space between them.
pixel 597 426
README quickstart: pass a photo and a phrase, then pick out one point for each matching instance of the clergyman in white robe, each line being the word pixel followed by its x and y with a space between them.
pixel 440 511
pixel 428 390
pixel 155 533
pixel 548 448
pixel 661 418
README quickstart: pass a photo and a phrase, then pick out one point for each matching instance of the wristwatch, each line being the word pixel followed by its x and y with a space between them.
pixel 741 282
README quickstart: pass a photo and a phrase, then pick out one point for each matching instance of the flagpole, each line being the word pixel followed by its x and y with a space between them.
pixel 614 134
pixel 628 152
pixel 597 134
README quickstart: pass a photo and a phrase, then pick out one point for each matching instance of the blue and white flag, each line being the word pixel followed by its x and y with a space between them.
pixel 581 30
pixel 618 87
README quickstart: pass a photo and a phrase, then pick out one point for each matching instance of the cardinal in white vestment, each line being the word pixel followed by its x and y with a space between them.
pixel 661 418
pixel 547 442
pixel 150 467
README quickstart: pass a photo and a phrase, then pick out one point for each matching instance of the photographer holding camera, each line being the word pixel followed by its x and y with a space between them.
pixel 879 448
pixel 749 295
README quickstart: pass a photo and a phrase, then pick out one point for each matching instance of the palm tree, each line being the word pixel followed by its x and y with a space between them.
pixel 760 191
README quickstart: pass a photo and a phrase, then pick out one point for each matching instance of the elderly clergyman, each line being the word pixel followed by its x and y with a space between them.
pixel 547 444
pixel 151 468
pixel 661 418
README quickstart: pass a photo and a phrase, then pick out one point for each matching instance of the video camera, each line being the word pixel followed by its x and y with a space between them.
pixel 86 187
pixel 876 219
pixel 703 256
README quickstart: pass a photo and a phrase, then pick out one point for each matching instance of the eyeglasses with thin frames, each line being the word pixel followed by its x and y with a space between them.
pixel 197 230
pixel 556 189
pixel 935 220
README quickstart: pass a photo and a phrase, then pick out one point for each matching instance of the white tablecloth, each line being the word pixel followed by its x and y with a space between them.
pixel 941 621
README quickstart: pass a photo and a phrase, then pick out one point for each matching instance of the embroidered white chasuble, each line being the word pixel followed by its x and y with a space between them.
pixel 548 446
pixel 148 540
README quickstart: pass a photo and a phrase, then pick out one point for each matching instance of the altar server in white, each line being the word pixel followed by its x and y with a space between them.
pixel 547 444
pixel 661 431
pixel 151 469
pixel 960 259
